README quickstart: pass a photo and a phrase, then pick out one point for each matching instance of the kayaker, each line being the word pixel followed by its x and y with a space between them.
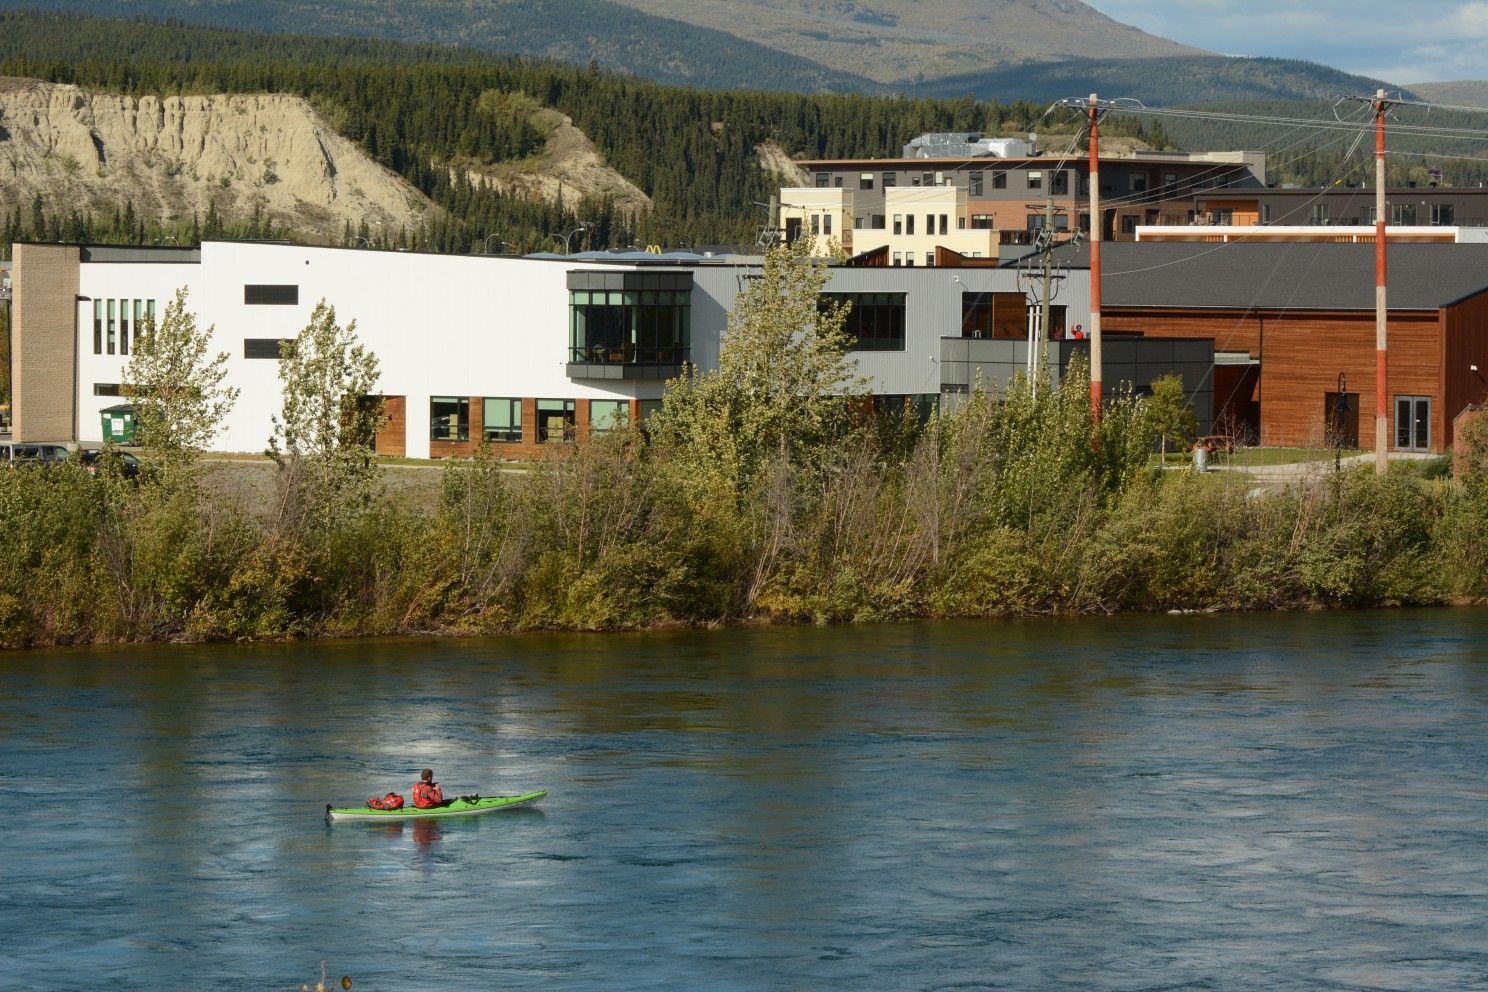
pixel 426 792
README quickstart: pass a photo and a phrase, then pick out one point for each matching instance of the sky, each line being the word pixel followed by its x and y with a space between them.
pixel 1400 41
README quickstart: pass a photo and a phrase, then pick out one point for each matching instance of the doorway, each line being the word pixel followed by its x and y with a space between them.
pixel 1413 423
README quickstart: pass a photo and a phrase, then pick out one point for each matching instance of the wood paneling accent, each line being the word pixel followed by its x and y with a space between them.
pixel 392 437
pixel 1302 352
pixel 1464 344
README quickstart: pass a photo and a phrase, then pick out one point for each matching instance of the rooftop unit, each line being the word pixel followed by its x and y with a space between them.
pixel 965 144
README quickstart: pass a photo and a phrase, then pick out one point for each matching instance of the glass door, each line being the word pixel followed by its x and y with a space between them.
pixel 1413 423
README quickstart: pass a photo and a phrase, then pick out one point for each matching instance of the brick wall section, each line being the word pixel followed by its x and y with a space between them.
pixel 44 342
pixel 392 437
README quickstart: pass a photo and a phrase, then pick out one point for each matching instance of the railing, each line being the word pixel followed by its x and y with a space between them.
pixel 628 354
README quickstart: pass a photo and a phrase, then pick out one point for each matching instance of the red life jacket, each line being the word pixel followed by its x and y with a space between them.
pixel 427 795
pixel 390 801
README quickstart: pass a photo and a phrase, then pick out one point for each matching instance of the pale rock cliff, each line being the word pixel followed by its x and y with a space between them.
pixel 175 155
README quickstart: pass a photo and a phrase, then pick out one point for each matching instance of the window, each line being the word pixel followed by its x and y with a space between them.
pixel 929 223
pixel 271 296
pixel 265 347
pixel 865 180
pixel 1265 213
pixel 608 415
pixel 107 389
pixel 816 224
pixel 891 179
pixel 909 260
pixel 981 222
pixel 960 223
pixel 637 327
pixel 1035 180
pixel 823 180
pixel 909 223
pixel 826 224
pixel 555 420
pixel 1413 423
pixel 123 327
pixel 648 408
pixel 837 181
pixel 974 184
pixel 1320 213
pixel 501 420
pixel 1222 218
pixel 929 259
pixel 449 418
pixel 1138 182
pixel 97 327
pixel 927 179
pixel 898 259
pixel 111 339
pixel 1059 184
pixel 1443 214
pixel 876 320
pixel 876 222
pixel 898 223
pixel 994 315
pixel 945 224
pixel 999 180
pixel 1128 224
pixel 1403 214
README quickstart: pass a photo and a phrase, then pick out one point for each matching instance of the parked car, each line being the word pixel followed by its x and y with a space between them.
pixel 95 460
pixel 33 454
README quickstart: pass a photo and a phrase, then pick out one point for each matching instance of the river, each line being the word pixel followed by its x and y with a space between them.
pixel 1251 802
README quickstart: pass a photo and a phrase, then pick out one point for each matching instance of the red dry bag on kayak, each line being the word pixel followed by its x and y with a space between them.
pixel 390 801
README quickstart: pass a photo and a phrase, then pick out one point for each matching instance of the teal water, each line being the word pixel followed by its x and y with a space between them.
pixel 1266 802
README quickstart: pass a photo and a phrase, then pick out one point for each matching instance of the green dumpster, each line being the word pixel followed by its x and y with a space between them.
pixel 118 424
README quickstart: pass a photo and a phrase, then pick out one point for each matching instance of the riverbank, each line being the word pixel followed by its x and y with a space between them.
pixel 620 536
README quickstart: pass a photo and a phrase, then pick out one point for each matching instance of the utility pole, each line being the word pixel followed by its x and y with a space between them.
pixel 1095 262
pixel 1381 309
pixel 1381 312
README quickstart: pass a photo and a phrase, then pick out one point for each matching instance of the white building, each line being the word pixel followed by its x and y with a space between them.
pixel 512 350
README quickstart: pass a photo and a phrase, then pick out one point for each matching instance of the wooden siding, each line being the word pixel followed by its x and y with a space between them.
pixel 1464 344
pixel 1302 352
pixel 392 437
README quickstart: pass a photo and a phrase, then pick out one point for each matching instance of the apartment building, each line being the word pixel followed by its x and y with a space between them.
pixel 1002 186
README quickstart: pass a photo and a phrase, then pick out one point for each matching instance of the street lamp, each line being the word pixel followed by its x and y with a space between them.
pixel 486 244
pixel 1340 414
pixel 567 239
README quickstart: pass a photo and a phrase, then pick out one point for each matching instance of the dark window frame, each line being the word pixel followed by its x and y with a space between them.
pixel 271 294
pixel 876 321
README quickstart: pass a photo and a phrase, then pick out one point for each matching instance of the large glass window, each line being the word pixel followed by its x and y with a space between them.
pixel 994 315
pixel 651 327
pixel 555 420
pixel 1443 214
pixel 875 322
pixel 449 418
pixel 112 329
pixel 123 327
pixel 974 184
pixel 608 415
pixel 865 180
pixel 97 327
pixel 501 419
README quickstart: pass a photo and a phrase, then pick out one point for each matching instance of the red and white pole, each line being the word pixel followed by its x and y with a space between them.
pixel 1381 312
pixel 1095 264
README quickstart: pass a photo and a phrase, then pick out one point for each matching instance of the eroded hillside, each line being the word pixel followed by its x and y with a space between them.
pixel 172 156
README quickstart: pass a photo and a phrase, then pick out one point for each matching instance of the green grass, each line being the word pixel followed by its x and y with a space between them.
pixel 1255 457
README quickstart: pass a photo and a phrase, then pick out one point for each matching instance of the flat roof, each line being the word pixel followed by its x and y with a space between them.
pixel 1300 275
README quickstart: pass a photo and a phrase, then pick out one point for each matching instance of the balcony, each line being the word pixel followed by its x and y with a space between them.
pixel 605 361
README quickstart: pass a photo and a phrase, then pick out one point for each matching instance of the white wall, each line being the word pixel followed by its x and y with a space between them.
pixel 440 325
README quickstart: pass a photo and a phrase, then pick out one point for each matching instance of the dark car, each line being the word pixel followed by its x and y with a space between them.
pixel 95 461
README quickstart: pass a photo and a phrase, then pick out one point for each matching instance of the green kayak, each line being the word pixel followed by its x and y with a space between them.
pixel 486 804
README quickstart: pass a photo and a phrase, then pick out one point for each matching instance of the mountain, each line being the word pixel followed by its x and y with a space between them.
pixel 1463 92
pixel 893 40
pixel 577 31
pixel 1157 81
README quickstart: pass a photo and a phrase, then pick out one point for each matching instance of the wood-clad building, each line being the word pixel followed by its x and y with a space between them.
pixel 1290 322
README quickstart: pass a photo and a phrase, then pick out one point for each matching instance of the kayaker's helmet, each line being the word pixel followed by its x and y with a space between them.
pixel 426 775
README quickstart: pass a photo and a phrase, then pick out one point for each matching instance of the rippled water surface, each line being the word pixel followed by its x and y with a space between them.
pixel 1274 802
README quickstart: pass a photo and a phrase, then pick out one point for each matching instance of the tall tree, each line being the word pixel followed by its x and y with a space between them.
pixel 324 435
pixel 177 387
